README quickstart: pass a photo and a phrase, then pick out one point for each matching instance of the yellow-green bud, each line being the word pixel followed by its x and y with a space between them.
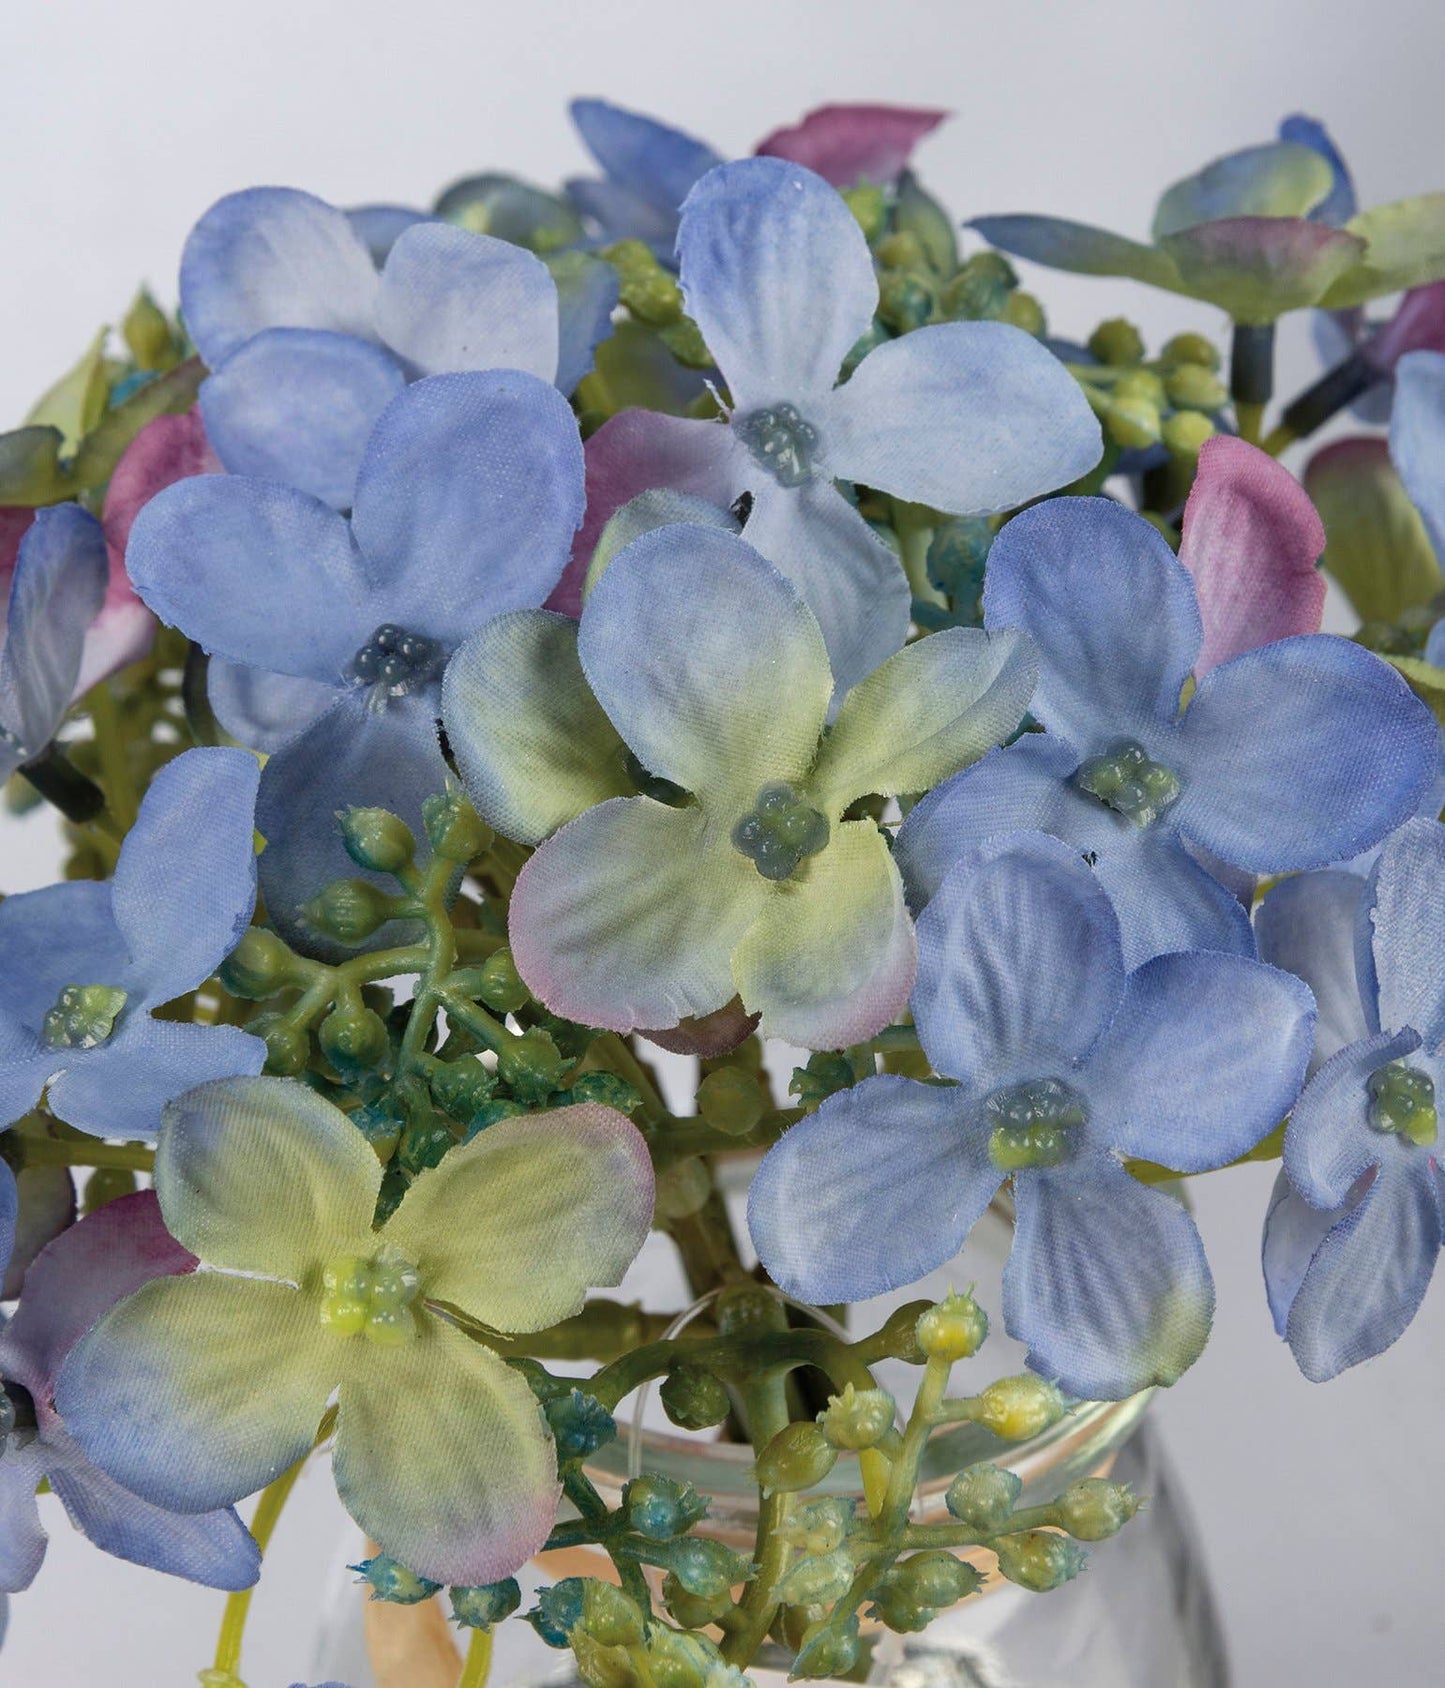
pixel 935 1580
pixel 288 1047
pixel 1192 387
pixel 749 1310
pixel 1117 342
pixel 1015 1408
pixel 902 250
pixel 983 1497
pixel 683 1661
pixel 953 1329
pixel 828 1651
pixel 609 1616
pixel 377 839
pixel 796 1458
pixel 869 206
pixel 1132 422
pixel 897 1338
pixel 1095 1509
pixel 259 966
pixel 858 1418
pixel 693 1611
pixel 531 1065
pixel 731 1100
pixel 905 300
pixel 601 1666
pixel 1142 384
pixel 1190 348
pixel 499 984
pixel 454 830
pixel 353 1038
pixel 682 1190
pixel 1038 1560
pixel 1185 432
pixel 818 1580
pixel 105 1184
pixel 693 1398
pixel 349 910
pixel 147 334
pixel 1023 310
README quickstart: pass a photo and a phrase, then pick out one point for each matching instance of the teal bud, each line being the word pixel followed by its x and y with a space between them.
pixel 897 1338
pixel 731 1100
pixel 381 1124
pixel 869 206
pixel 609 1616
pixel 1095 1509
pixel 580 1424
pixel 106 1184
pixel 906 300
pixel 388 1580
pixel 957 557
pixel 818 1526
pixel 462 1087
pixel 682 1190
pixel 349 910
pixel 827 1072
pixel 858 1418
pixel 799 1456
pixel 558 1610
pixel 1015 1408
pixel 377 839
pixel 952 1329
pixel 984 1497
pixel 783 442
pixel 1039 1560
pixel 660 1508
pixel 818 1580
pixel 481 1605
pixel 288 1046
pixel 706 1567
pixel 693 1611
pixel 394 1185
pixel 353 1038
pixel 530 1065
pixel 424 1140
pixel 1117 342
pixel 693 1398
pixel 610 1089
pixel 454 830
pixel 829 1650
pixel 498 983
pixel 259 966
pixel 489 1113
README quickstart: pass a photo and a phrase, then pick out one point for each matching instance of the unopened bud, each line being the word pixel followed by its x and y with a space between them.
pixel 558 1610
pixel 1117 342
pixel 609 1616
pixel 353 1038
pixel 530 1065
pixel 499 985
pixel 480 1605
pixel 349 910
pixel 869 206
pixel 660 1508
pixel 106 1184
pixel 897 1338
pixel 1190 348
pixel 462 1087
pixel 1192 387
pixel 1133 423
pixel 706 1567
pixel 1039 1560
pixel 288 1047
pixel 391 1581
pixel 829 1651
pixel 147 333
pixel 749 1310
pixel 601 1666
pixel 1095 1509
pixel 693 1611
pixel 377 839
pixel 580 1424
pixel 1185 432
pixel 858 1418
pixel 682 1190
pixel 259 966
pixel 1015 1408
pixel 454 830
pixel 818 1580
pixel 905 300
pixel 818 1526
pixel 796 1458
pixel 1023 310
pixel 731 1100
pixel 983 1497
pixel 693 1398
pixel 953 1329
pixel 937 1579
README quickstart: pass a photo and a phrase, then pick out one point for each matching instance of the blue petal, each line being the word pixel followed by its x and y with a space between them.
pixel 1293 1230
pixel 1107 1281
pixel 968 417
pixel 1301 753
pixel 1020 968
pixel 9 1211
pixel 1306 925
pixel 873 1191
pixel 1329 1141
pixel 1167 902
pixel 22 1538
pixel 257 573
pixel 1065 245
pixel 62 935
pixel 273 258
pixel 622 214
pixel 24 1070
pixel 1406 912
pixel 1270 180
pixel 1204 1058
pixel 297 405
pixel 467 500
pixel 587 293
pixel 1111 609
pixel 185 884
pixel 1368 1277
pixel 754 239
pixel 262 709
pixel 1340 205
pixel 379 227
pixel 1417 437
pixel 657 163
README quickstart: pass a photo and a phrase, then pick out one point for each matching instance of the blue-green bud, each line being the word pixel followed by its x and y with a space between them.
pixel 1039 1560
pixel 818 1526
pixel 1015 1408
pixel 952 1329
pixel 489 1113
pixel 984 1497
pixel 957 557
pixel 799 1456
pixel 259 966
pixel 558 1610
pixel 580 1424
pixel 781 441
pixel 353 1038
pixel 693 1398
pixel 1095 1509
pixel 530 1065
pixel 349 910
pixel 1117 342
pixel 731 1100
pixel 377 839
pixel 609 1616
pixel 395 662
pixel 498 983
pixel 454 830
pixel 610 1089
pixel 388 1580
pixel 480 1605
pixel 906 299
pixel 462 1087
pixel 660 1508
pixel 288 1046
pixel 829 1650
pixel 818 1580
pixel 1033 1123
pixel 706 1567
pixel 1402 1102
pixel 858 1418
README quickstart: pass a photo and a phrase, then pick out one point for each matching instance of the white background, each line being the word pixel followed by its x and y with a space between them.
pixel 123 121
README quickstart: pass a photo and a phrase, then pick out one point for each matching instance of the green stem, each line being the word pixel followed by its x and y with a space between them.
pixel 120 786
pixel 478 1666
pixel 51 1151
pixel 765 1404
pixel 196 698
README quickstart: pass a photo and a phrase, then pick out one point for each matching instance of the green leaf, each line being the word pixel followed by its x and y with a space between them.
pixel 1405 247
pixel 1376 546
pixel 76 402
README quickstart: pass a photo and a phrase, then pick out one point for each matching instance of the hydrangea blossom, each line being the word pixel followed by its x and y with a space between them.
pixel 1356 1220
pixel 966 417
pixel 681 725
pixel 84 965
pixel 441 1452
pixel 1417 447
pixel 1063 1062
pixel 1295 754
pixel 308 342
pixel 466 503
pixel 76 1279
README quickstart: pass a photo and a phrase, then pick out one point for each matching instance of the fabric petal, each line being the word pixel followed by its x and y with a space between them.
pixel 754 238
pixel 849 144
pixel 297 405
pixel 1403 241
pixel 379 227
pixel 62 935
pixel 1293 1230
pixel 1106 1282
pixel 644 514
pixel 493 532
pixel 968 417
pixel 1260 268
pixel 471 1498
pixel 273 258
pixel 1406 917
pixel 831 1224
pixel 1251 541
pixel 1306 925
pixel 621 214
pixel 517 1225
pixel 628 917
pixel 22 1536
pixel 47 1207
pixel 1167 902
pixel 1078 247
pixel 261 709
pixel 656 162
pixel 1418 325
pixel 1284 178
pixel 1417 428
pixel 531 743
pixel 1019 962
pixel 1376 545
pixel 1329 1142
pixel 9 1212
pixel 831 957
pixel 1257 791
pixel 23 1073
pixel 1338 205
pixel 453 300
pixel 587 294
pixel 163 1393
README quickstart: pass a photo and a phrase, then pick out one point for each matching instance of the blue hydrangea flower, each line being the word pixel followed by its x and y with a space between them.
pixel 307 341
pixel 466 502
pixel 1064 1062
pixel 648 169
pixel 83 965
pixel 79 1276
pixel 1293 755
pixel 56 592
pixel 964 417
pixel 1356 1220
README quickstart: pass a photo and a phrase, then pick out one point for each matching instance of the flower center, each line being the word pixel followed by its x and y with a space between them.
pixel 781 441
pixel 1402 1102
pixel 1033 1123
pixel 17 1414
pixel 83 1016
pixel 394 662
pixel 1127 781
pixel 371 1298
pixel 779 831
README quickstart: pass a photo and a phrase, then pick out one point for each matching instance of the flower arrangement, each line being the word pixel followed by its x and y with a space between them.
pixel 482 653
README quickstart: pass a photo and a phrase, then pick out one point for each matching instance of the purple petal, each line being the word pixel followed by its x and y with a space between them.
pixel 1258 268
pixel 848 144
pixel 1417 326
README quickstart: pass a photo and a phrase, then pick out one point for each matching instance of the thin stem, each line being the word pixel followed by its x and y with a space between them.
pixel 120 786
pixel 196 698
pixel 478 1666
pixel 1251 376
pixel 75 794
pixel 52 1151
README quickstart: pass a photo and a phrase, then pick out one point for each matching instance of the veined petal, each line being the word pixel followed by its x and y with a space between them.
pixel 753 240
pixel 651 159
pixel 264 1175
pixel 1065 245
pixel 1020 969
pixel 1404 248
pixel 1107 1281
pixel 1406 926
pixel 22 1536
pixel 1376 546
pixel 61 935
pixel 1251 541
pixel 1282 178
pixel 1293 1230
pixel 1329 1142
pixel 1306 925
pixel 471 1497
pixel 263 709
pixel 873 1191
pixel 587 294
pixel 968 417
pixel 831 957
pixel 516 1226
pixel 163 1393
pixel 627 918
pixel 849 144
pixel 1260 268
pixel 1417 430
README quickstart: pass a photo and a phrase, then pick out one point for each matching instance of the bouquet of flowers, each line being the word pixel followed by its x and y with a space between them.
pixel 508 669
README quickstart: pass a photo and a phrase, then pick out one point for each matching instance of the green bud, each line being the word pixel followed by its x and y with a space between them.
pixel 749 1310
pixel 693 1611
pixel 799 1456
pixel 648 291
pixel 706 1567
pixel 1095 1509
pixel 828 1650
pixel 600 1666
pixel 1039 1560
pixel 1023 310
pixel 858 1418
pixel 901 250
pixel 826 1073
pixel 288 1046
pixel 660 1508
pixel 610 1089
pixel 558 1610
pixel 499 984
pixel 105 1184
pixel 147 333
pixel 693 1398
pixel 1190 348
pixel 869 206
pixel 453 828
pixel 259 966
pixel 684 340
pixel 686 1661
pixel 580 1424
pixel 905 300
pixel 731 1100
pixel 932 1581
pixel 1133 423
pixel 377 839
pixel 530 1065
pixel 349 910
pixel 818 1526
pixel 953 1329
pixel 480 1605
pixel 898 1337
pixel 609 1616
pixel 1192 387
pixel 391 1581
pixel 1015 1408
pixel 1185 432
pixel 818 1580
pixel 353 1038
pixel 980 290
pixel 983 1497
pixel 682 1190
pixel 1141 384
pixel 919 214
pixel 462 1087
pixel 1117 343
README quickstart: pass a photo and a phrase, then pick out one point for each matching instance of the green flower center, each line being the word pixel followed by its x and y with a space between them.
pixel 83 1017
pixel 1127 781
pixel 1402 1102
pixel 781 441
pixel 779 831
pixel 371 1298
pixel 395 661
pixel 1033 1123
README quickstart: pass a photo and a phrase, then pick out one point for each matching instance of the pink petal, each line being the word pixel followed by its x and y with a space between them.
pixel 632 453
pixel 1251 541
pixel 848 144
pixel 15 519
pixel 1418 326
pixel 713 1034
